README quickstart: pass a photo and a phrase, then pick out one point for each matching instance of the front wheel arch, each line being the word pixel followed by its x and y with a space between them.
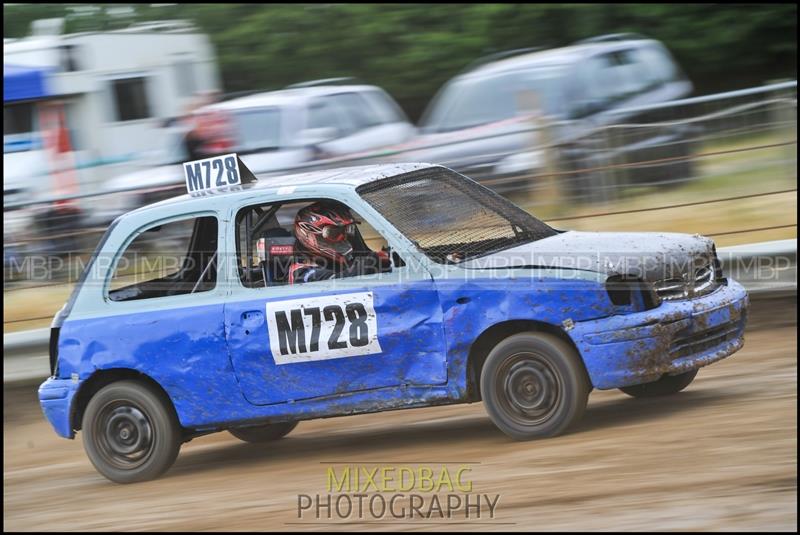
pixel 498 332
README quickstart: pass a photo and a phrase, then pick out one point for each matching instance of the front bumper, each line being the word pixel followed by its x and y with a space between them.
pixel 55 398
pixel 676 337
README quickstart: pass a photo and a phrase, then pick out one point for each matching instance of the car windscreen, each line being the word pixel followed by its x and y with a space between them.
pixel 472 101
pixel 450 217
pixel 258 129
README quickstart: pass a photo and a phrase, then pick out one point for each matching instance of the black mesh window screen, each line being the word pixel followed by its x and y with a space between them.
pixel 450 217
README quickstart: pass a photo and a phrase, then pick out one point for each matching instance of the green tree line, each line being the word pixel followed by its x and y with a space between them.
pixel 412 49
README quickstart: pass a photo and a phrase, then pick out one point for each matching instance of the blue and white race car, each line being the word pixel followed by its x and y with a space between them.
pixel 475 300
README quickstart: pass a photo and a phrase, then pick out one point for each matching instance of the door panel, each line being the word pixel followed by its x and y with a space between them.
pixel 332 337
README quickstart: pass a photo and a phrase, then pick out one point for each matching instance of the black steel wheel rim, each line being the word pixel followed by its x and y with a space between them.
pixel 124 435
pixel 530 389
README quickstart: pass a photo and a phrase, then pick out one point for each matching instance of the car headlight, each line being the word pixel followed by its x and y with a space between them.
pixel 633 292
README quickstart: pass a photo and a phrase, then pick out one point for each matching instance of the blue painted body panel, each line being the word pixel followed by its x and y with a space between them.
pixel 635 348
pixel 185 351
pixel 409 330
pixel 488 301
pixel 212 357
pixel 55 398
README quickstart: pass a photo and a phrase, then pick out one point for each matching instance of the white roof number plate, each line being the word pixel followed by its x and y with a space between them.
pixel 212 174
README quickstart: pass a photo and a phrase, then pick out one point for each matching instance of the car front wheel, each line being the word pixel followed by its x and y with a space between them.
pixel 668 384
pixel 534 385
pixel 263 433
pixel 130 432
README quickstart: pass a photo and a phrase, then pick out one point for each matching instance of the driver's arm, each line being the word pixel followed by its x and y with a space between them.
pixel 367 263
pixel 308 273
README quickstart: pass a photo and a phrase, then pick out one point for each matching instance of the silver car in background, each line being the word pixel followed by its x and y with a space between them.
pixel 272 131
pixel 480 123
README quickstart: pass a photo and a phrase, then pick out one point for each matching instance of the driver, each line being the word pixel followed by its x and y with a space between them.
pixel 326 234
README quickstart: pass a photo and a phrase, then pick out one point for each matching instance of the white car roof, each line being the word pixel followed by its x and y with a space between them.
pixel 285 97
pixel 566 55
pixel 324 181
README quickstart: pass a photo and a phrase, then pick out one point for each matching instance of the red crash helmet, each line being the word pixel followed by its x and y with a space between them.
pixel 324 229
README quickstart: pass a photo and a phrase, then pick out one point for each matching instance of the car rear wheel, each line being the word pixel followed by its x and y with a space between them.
pixel 534 385
pixel 263 433
pixel 130 432
pixel 668 384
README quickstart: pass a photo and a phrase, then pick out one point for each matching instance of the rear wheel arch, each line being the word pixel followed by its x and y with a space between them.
pixel 498 332
pixel 102 378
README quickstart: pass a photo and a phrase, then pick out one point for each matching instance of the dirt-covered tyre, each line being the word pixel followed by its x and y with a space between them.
pixel 131 432
pixel 668 384
pixel 534 385
pixel 263 433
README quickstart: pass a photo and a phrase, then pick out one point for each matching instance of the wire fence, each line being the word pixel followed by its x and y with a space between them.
pixel 681 155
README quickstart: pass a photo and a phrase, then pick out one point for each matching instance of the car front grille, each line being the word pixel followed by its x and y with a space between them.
pixel 705 279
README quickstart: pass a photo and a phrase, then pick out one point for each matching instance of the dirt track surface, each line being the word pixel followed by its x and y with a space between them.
pixel 720 456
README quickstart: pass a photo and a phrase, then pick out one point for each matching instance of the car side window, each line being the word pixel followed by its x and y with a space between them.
pixel 322 114
pixel 258 129
pixel 610 78
pixel 175 258
pixel 597 81
pixel 257 231
pixel 630 80
pixel 267 247
pixel 357 111
pixel 371 237
pixel 386 109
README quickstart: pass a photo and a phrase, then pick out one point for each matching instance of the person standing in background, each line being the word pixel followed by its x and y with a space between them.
pixel 544 182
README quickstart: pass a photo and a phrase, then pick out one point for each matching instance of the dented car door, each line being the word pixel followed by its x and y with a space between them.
pixel 326 338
